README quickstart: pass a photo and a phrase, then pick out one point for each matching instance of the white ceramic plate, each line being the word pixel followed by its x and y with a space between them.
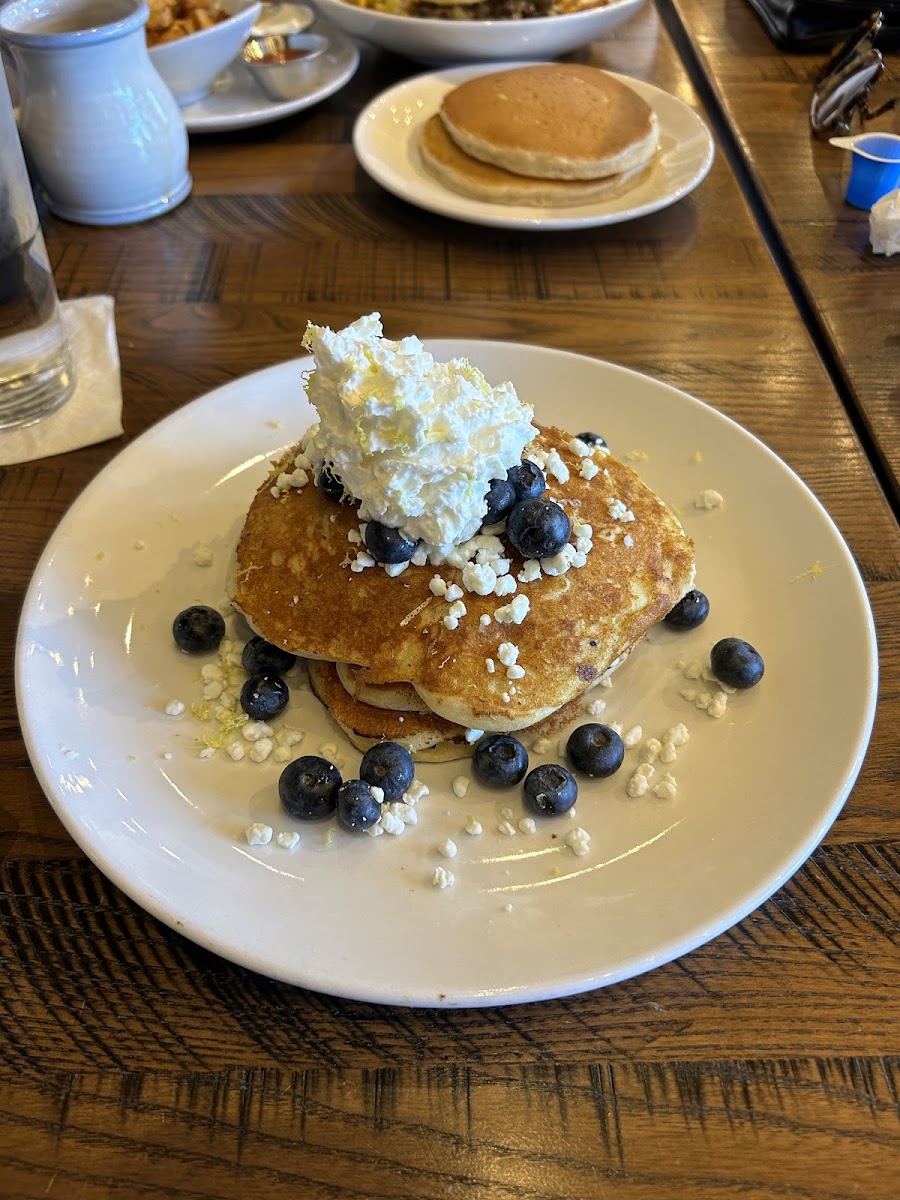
pixel 386 140
pixel 526 918
pixel 237 102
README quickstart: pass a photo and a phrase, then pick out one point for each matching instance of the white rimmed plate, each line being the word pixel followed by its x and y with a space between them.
pixel 386 140
pixel 526 918
pixel 237 102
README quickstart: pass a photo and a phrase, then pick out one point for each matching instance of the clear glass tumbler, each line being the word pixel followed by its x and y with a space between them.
pixel 36 374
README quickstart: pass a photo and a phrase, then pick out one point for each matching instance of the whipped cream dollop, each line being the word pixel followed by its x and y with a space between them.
pixel 417 442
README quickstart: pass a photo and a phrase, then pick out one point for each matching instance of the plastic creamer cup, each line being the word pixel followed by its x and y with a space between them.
pixel 875 166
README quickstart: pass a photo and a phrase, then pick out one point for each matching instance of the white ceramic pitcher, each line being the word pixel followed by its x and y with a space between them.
pixel 104 137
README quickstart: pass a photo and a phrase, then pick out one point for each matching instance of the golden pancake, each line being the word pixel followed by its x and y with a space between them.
pixel 552 121
pixel 293 582
pixel 480 180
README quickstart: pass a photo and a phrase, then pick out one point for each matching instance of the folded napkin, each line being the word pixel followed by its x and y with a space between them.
pixel 884 224
pixel 93 413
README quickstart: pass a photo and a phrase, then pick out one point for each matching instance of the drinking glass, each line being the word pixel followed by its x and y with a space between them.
pixel 36 375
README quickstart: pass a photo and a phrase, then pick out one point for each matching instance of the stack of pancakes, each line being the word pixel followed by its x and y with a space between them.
pixel 546 135
pixel 384 662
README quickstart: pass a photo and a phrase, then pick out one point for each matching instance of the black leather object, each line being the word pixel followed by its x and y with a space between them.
pixel 818 25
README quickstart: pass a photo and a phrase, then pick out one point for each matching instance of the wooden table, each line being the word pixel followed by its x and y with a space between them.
pixel 763 1064
pixel 851 295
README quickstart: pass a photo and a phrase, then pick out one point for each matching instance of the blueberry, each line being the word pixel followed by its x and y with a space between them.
pixel 198 629
pixel 499 761
pixel 690 611
pixel 330 484
pixel 389 766
pixel 538 528
pixel 550 790
pixel 500 497
pixel 592 439
pixel 736 663
pixel 388 545
pixel 595 750
pixel 308 788
pixel 264 696
pixel 357 808
pixel 527 479
pixel 260 657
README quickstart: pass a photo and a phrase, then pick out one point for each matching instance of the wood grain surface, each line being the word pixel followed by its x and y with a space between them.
pixel 853 294
pixel 765 1064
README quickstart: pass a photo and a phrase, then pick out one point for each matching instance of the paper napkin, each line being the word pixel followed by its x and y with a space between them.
pixel 93 413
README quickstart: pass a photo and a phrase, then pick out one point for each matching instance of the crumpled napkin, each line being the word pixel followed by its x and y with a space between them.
pixel 884 224
pixel 93 413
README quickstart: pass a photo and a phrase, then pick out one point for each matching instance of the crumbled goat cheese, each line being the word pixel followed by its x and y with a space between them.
pixel 207 752
pixel 531 570
pixel 489 664
pixel 416 791
pixel 261 749
pixel 202 556
pixel 650 750
pixel 288 841
pixel 666 789
pixel 448 848
pixel 513 613
pixel 258 834
pixel 395 569
pixel 579 840
pixel 632 737
pixel 454 592
pixel 618 511
pixel 505 585
pixel 528 825
pixel 579 448
pixel 506 828
pixel 595 707
pixel 460 785
pixel 479 579
pixel 556 467
pixel 473 827
pixel 473 735
pixel 235 751
pixel 709 498
pixel 174 708
pixel 515 672
pixel 403 812
pixel 588 468
pixel 637 785
pixel 541 745
pixel 507 653
pixel 362 560
pixel 437 586
pixel 484 619
pixel 442 878
pixel 391 823
pixel 717 706
pixel 254 730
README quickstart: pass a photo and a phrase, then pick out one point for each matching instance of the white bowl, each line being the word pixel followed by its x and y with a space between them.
pixel 190 64
pixel 440 43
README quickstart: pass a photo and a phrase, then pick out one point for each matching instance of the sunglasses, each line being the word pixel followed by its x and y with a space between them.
pixel 842 89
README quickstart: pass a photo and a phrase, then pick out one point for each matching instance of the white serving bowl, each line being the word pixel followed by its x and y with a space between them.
pixel 190 64
pixel 440 43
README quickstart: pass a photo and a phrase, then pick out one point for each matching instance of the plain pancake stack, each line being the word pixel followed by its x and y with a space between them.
pixel 415 679
pixel 546 135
